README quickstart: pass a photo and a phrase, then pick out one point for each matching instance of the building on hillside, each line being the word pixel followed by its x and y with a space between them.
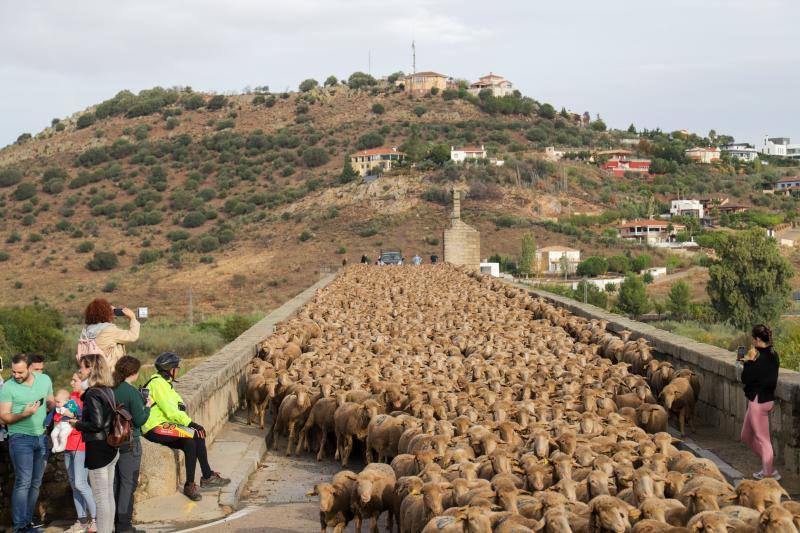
pixel 493 269
pixel 686 208
pixel 495 83
pixel 713 201
pixel 704 156
pixel 553 259
pixel 775 146
pixel 423 82
pixel 649 231
pixel 731 209
pixel 462 242
pixel 551 154
pixel 460 155
pixel 741 151
pixel 382 159
pixel 793 151
pixel 620 161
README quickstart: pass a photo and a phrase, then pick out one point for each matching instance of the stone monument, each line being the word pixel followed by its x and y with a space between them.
pixel 462 242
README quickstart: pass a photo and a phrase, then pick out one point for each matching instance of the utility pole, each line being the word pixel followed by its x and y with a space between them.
pixel 585 289
pixel 191 307
pixel 369 62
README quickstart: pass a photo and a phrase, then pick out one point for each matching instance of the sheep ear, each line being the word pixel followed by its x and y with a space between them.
pixel 729 497
pixel 538 526
pixel 634 513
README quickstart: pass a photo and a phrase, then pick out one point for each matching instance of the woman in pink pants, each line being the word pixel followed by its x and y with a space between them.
pixel 760 377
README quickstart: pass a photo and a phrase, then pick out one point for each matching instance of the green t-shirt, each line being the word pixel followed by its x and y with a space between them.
pixel 20 395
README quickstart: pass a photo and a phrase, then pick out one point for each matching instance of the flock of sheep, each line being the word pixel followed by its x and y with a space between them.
pixel 480 408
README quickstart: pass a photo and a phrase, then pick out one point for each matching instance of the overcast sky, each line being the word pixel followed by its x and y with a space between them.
pixel 731 65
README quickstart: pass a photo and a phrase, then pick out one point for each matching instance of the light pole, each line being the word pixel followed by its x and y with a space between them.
pixel 585 289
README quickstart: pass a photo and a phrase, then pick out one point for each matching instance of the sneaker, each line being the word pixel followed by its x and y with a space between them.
pixel 77 527
pixel 214 480
pixel 92 528
pixel 192 492
pixel 761 475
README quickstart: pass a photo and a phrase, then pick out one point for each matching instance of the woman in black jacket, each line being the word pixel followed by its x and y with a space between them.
pixel 760 377
pixel 95 425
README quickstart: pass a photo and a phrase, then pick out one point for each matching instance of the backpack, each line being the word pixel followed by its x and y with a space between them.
pixel 121 427
pixel 86 347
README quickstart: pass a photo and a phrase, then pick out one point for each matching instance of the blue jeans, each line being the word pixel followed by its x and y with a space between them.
pixel 28 459
pixel 79 481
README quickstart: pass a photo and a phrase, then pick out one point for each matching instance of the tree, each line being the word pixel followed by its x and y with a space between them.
pixel 348 172
pixel 394 76
pixel 358 80
pixel 439 154
pixel 619 263
pixel 641 262
pixel 547 111
pixel 528 255
pixel 593 266
pixel 331 81
pixel 103 261
pixel 308 85
pixel 378 109
pixel 10 176
pixel 598 125
pixel 564 113
pixel 315 157
pixel 369 140
pixel 85 120
pixel 679 300
pixel 631 128
pixel 633 298
pixel 217 101
pixel 749 283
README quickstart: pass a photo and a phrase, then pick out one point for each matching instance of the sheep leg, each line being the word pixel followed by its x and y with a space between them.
pixel 682 422
pixel 321 451
pixel 346 449
pixel 338 446
pixel 367 451
pixel 262 411
pixel 374 523
pixel 389 520
pixel 290 438
pixel 358 523
pixel 322 525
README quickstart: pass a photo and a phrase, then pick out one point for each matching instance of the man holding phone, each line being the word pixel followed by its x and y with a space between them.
pixel 24 402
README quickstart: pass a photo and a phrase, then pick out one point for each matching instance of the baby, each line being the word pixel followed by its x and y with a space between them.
pixel 66 409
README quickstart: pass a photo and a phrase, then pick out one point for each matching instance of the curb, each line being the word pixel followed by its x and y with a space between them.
pixel 230 494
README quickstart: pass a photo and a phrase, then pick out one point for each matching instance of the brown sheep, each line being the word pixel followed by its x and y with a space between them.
pixel 373 494
pixel 609 513
pixel 293 409
pixel 678 398
pixel 334 501
pixel 257 396
pixel 351 421
pixel 652 418
pixel 321 419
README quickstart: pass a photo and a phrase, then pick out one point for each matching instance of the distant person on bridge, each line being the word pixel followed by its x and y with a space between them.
pixel 760 377
pixel 171 426
pixel 365 259
pixel 416 260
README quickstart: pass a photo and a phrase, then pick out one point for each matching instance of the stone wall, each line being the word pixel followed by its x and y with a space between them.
pixel 462 245
pixel 212 391
pixel 722 403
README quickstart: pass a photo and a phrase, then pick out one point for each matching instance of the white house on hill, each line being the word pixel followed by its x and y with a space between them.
pixel 459 155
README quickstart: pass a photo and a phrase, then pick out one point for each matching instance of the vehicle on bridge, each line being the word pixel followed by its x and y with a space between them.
pixel 390 258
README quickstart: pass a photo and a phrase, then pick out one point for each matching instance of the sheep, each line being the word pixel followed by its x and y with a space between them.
pixel 608 513
pixel 351 421
pixel 334 501
pixel 293 408
pixel 652 418
pixel 321 419
pixel 372 495
pixel 678 398
pixel 257 396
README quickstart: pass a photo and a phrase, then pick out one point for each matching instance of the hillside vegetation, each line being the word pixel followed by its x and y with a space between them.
pixel 241 200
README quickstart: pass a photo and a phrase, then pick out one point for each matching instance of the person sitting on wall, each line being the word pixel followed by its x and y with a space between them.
pixel 170 425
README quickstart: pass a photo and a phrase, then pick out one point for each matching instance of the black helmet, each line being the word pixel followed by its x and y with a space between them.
pixel 166 362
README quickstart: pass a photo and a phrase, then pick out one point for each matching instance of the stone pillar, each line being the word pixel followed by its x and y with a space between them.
pixel 456 215
pixel 462 242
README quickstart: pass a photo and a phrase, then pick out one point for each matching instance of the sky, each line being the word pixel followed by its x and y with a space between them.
pixel 730 65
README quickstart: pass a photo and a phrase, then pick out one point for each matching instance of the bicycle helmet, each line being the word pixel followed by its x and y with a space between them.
pixel 166 362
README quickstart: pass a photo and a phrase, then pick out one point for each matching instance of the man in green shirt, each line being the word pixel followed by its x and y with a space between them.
pixel 24 401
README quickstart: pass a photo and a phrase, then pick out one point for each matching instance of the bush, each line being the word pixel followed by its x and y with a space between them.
pixel 437 195
pixel 419 110
pixel 148 256
pixel 86 120
pixel 619 263
pixel 32 329
pixel 4 256
pixel 111 286
pixel 193 219
pixel 178 235
pixel 25 191
pixel 369 140
pixel 103 261
pixel 10 176
pixel 225 124
pixel 641 262
pixel 593 266
pixel 217 101
pixel 306 235
pixel 315 157
pixel 378 109
pixel 505 221
pixel 358 80
pixel 308 85
pixel 208 243
pixel 93 156
pixel 450 94
pixel 193 101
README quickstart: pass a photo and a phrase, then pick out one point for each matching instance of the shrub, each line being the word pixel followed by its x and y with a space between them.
pixel 306 235
pixel 358 80
pixel 93 156
pixel 378 109
pixel 4 256
pixel 315 157
pixel 171 123
pixel 341 250
pixel 641 262
pixel 619 263
pixel 193 219
pixel 193 101
pixel 593 266
pixel 434 91
pixel 308 85
pixel 148 256
pixel 505 221
pixel 111 286
pixel 178 235
pixel 369 140
pixel 450 94
pixel 419 110
pixel 225 124
pixel 208 243
pixel 25 191
pixel 437 195
pixel 103 261
pixel 10 176
pixel 85 120
pixel 32 328
pixel 217 101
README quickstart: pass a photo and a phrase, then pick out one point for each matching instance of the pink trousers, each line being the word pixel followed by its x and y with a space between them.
pixel 755 433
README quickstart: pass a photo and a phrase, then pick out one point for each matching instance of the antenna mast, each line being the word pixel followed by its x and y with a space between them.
pixel 369 63
pixel 413 57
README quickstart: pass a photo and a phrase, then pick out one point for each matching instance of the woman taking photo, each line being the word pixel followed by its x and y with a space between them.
pixel 126 477
pixel 95 426
pixel 101 332
pixel 760 377
pixel 171 426
pixel 74 460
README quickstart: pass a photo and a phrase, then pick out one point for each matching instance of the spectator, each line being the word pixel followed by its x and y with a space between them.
pixel 37 363
pixel 170 426
pixel 760 377
pixel 23 404
pixel 130 455
pixel 95 426
pixel 364 259
pixel 74 460
pixel 434 258
pixel 416 260
pixel 108 338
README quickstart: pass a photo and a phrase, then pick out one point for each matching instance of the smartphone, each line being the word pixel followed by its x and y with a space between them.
pixel 741 351
pixel 1 363
pixel 145 394
pixel 118 311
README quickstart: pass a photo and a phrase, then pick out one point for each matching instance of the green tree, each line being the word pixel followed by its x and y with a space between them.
pixel 378 109
pixel 359 80
pixel 598 125
pixel 619 263
pixel 679 300
pixel 308 85
pixel 528 255
pixel 593 266
pixel 631 128
pixel 85 120
pixel 438 154
pixel 547 111
pixel 369 140
pixel 633 298
pixel 217 101
pixel 32 329
pixel 315 156
pixel 330 81
pixel 641 262
pixel 102 261
pixel 749 283
pixel 348 172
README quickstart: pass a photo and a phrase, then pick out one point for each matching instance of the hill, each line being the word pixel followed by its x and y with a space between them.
pixel 241 200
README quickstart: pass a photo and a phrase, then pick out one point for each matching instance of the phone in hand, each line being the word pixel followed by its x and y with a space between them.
pixel 118 311
pixel 145 394
pixel 741 351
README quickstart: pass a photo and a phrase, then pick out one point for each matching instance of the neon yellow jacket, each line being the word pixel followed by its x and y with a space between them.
pixel 165 404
